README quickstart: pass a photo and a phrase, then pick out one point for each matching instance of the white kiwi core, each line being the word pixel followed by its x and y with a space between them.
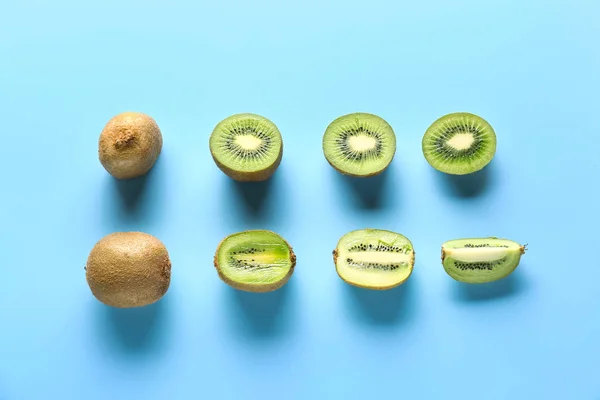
pixel 483 254
pixel 362 142
pixel 461 141
pixel 248 142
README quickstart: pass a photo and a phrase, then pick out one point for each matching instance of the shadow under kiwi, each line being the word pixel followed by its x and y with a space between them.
pixel 368 192
pixel 509 286
pixel 134 331
pixel 470 185
pixel 253 196
pixel 129 199
pixel 382 307
pixel 261 315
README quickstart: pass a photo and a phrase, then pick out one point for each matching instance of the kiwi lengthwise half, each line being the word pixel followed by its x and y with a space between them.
pixel 459 143
pixel 374 258
pixel 255 261
pixel 129 145
pixel 481 260
pixel 359 144
pixel 128 269
pixel 246 147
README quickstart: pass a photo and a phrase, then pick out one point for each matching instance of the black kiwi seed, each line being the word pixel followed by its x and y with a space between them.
pixel 481 265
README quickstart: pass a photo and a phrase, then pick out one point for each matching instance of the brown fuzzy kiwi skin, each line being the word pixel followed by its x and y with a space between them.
pixel 128 269
pixel 255 176
pixel 392 286
pixel 129 145
pixel 255 288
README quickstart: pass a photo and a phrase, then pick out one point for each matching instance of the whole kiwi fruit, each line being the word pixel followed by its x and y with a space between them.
pixel 128 269
pixel 129 145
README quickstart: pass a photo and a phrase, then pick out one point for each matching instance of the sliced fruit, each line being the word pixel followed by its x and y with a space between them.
pixel 255 261
pixel 459 143
pixel 359 144
pixel 374 258
pixel 481 260
pixel 246 147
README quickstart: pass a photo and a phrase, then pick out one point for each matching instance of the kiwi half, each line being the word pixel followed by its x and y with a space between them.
pixel 255 261
pixel 129 145
pixel 246 147
pixel 359 144
pixel 374 258
pixel 128 269
pixel 459 143
pixel 481 260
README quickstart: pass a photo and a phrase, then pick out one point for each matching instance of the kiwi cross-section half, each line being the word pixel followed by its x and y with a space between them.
pixel 459 143
pixel 255 261
pixel 246 147
pixel 359 144
pixel 481 260
pixel 374 258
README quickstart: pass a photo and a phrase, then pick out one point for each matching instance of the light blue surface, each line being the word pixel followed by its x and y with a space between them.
pixel 530 68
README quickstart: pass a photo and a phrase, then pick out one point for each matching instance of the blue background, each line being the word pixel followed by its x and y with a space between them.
pixel 529 68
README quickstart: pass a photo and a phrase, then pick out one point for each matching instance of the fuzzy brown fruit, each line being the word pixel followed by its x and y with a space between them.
pixel 129 145
pixel 128 269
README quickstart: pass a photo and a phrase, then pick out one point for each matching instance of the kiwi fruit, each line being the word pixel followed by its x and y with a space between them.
pixel 481 260
pixel 255 261
pixel 129 145
pixel 374 258
pixel 359 144
pixel 246 147
pixel 128 269
pixel 459 143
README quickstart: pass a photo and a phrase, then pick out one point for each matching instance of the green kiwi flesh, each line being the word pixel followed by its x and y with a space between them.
pixel 359 144
pixel 481 260
pixel 246 147
pixel 459 143
pixel 374 258
pixel 255 261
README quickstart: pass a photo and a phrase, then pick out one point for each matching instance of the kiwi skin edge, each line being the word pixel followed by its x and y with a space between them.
pixel 255 288
pixel 129 145
pixel 255 176
pixel 335 256
pixel 360 176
